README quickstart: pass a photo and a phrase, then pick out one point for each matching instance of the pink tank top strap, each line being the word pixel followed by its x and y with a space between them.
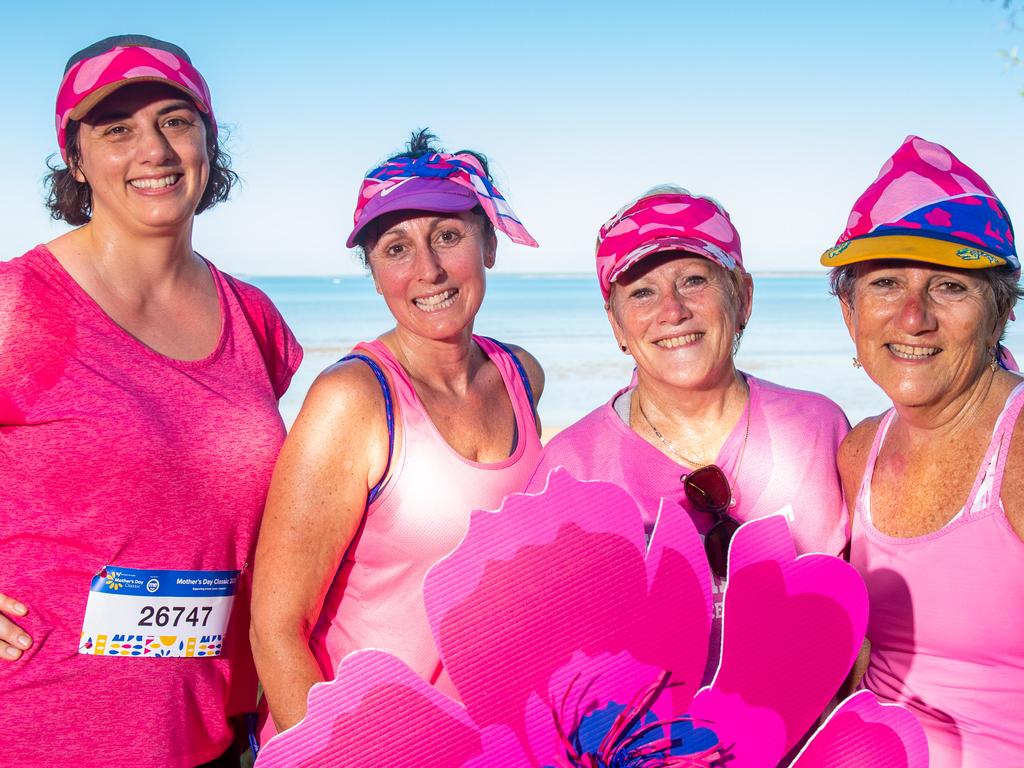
pixel 517 383
pixel 864 492
pixel 403 388
pixel 384 358
pixel 1000 448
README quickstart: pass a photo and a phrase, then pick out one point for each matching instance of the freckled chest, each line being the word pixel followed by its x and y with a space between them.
pixel 916 491
pixel 479 424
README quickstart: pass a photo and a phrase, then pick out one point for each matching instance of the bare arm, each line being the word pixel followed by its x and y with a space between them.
pixel 13 639
pixel 335 452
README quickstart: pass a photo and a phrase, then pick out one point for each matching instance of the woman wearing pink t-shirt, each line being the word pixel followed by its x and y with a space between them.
pixel 693 430
pixel 397 443
pixel 138 431
pixel 927 275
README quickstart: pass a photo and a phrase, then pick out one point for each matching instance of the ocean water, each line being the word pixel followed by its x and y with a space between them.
pixel 796 336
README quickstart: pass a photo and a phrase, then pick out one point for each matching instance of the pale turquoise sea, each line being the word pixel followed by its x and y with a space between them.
pixel 796 336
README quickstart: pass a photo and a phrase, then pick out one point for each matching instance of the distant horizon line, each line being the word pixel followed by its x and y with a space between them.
pixel 767 273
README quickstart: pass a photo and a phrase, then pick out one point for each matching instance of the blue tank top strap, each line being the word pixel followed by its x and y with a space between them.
pixel 389 408
pixel 519 367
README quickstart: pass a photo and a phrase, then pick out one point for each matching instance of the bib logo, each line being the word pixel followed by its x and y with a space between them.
pixel 152 585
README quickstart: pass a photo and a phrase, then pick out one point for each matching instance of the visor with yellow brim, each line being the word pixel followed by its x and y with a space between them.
pixel 911 248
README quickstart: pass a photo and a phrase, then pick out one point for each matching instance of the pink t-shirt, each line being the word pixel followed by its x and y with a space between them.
pixel 947 616
pixel 788 466
pixel 112 454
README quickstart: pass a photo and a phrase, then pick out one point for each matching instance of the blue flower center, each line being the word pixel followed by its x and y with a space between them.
pixel 630 736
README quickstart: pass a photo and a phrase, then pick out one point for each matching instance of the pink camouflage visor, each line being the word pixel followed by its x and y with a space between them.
pixel 95 72
pixel 666 218
pixel 926 205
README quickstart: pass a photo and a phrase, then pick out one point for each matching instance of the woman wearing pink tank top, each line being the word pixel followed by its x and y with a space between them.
pixel 399 442
pixel 927 276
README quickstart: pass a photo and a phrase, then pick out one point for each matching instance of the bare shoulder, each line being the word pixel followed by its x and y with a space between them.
pixel 344 402
pixel 1013 480
pixel 534 371
pixel 348 381
pixel 339 441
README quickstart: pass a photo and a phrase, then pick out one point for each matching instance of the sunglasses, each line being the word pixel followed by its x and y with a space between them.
pixel 707 489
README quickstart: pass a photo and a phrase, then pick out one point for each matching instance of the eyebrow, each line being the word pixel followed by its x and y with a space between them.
pixel 402 226
pixel 110 117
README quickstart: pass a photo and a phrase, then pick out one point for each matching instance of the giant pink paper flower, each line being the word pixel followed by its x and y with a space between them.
pixel 573 644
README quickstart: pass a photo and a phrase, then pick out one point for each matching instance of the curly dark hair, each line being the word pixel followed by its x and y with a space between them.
pixel 423 142
pixel 70 200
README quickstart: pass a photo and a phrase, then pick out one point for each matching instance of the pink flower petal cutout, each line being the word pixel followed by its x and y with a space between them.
pixel 679 584
pixel 752 736
pixel 862 733
pixel 554 573
pixel 791 631
pixel 565 637
pixel 408 720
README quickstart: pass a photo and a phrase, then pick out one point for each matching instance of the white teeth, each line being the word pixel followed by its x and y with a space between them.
pixel 679 341
pixel 166 181
pixel 436 302
pixel 912 353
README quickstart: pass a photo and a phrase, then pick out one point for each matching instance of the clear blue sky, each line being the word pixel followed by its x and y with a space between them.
pixel 784 111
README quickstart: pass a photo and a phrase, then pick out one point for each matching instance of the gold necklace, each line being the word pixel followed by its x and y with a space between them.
pixel 690 462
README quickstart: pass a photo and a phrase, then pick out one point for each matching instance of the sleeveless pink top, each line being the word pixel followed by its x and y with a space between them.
pixel 419 515
pixel 947 616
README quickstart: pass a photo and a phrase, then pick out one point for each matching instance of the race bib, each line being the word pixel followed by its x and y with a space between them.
pixel 132 612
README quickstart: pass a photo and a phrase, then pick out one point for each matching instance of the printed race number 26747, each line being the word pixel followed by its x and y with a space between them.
pixel 174 616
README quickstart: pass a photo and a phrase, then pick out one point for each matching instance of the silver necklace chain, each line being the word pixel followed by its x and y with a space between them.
pixel 690 462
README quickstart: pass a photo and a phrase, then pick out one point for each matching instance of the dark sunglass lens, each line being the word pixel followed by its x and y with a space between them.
pixel 716 545
pixel 707 489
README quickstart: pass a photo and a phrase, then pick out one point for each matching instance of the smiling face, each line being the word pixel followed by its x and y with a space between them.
pixel 143 153
pixel 429 267
pixel 923 333
pixel 678 316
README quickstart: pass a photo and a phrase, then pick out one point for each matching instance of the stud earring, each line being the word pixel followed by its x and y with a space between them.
pixel 624 348
pixel 856 363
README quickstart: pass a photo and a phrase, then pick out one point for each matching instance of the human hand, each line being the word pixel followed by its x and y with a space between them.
pixel 13 639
